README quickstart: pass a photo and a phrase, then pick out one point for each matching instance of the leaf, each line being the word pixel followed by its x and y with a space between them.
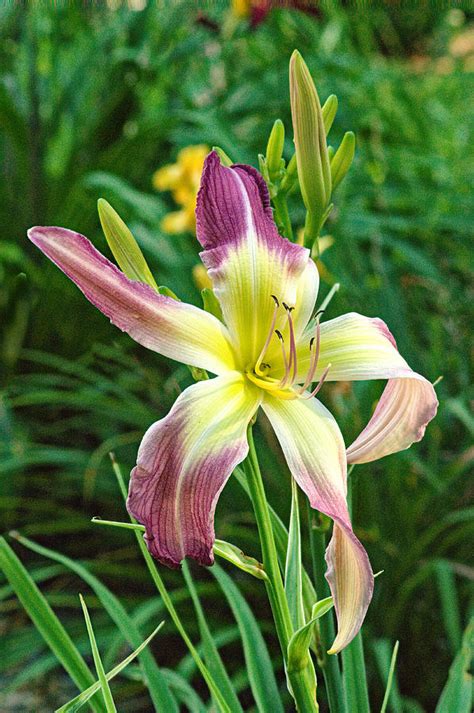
pixel 159 691
pixel 457 693
pixel 104 684
pixel 45 620
pixel 293 568
pixel 233 554
pixel 257 659
pixel 299 644
pixel 76 703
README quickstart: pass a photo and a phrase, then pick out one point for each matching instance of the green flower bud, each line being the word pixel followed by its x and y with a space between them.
pixel 342 159
pixel 123 245
pixel 211 303
pixel 225 160
pixel 329 112
pixel 275 150
pixel 314 171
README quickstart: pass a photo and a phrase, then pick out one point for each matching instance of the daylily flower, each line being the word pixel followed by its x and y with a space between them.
pixel 182 179
pixel 267 353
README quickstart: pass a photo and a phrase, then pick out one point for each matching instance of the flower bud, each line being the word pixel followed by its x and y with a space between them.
pixel 275 150
pixel 314 171
pixel 329 112
pixel 342 159
pixel 225 160
pixel 123 245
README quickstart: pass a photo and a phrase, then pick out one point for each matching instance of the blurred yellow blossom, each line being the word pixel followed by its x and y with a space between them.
pixel 182 179
pixel 201 277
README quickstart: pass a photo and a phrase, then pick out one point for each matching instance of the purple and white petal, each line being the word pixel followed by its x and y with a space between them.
pixel 362 348
pixel 184 462
pixel 314 450
pixel 247 260
pixel 162 324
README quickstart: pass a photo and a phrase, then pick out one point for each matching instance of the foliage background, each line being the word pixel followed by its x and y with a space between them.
pixel 93 98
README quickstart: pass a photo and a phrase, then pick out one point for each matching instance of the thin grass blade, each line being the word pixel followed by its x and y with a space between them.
pixel 104 684
pixel 46 621
pixel 76 703
pixel 157 686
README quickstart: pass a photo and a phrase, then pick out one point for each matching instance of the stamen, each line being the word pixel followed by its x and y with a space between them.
pixel 320 383
pixel 293 361
pixel 313 365
pixel 269 336
pixel 284 378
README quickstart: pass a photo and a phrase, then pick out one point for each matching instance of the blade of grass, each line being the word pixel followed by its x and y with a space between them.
pixel 390 679
pixel 385 658
pixel 157 686
pixel 104 684
pixel 160 585
pixel 76 703
pixel 46 621
pixel 211 654
pixel 457 693
pixel 257 659
pixel 449 603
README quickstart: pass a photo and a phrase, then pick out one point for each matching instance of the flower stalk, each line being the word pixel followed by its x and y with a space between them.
pixel 302 684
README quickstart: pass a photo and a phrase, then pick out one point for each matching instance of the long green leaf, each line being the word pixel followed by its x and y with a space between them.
pixel 257 659
pixel 157 686
pixel 457 693
pixel 211 654
pixel 76 703
pixel 46 621
pixel 99 667
pixel 293 567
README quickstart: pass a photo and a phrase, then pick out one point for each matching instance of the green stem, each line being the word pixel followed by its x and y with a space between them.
pixel 282 216
pixel 353 662
pixel 302 684
pixel 329 664
pixel 311 232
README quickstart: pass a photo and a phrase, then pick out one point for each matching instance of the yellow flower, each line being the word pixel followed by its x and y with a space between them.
pixel 182 179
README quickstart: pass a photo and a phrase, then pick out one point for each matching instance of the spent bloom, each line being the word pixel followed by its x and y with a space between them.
pixel 268 351
pixel 182 179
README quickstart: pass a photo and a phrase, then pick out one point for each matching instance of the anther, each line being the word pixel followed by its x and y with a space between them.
pixel 288 309
pixel 276 300
pixel 279 335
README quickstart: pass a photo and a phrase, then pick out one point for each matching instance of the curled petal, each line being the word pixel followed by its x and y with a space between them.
pixel 404 410
pixel 360 348
pixel 184 462
pixel 247 260
pixel 162 324
pixel 315 453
